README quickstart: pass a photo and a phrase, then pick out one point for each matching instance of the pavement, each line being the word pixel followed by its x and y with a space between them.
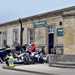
pixel 34 68
pixel 12 72
pixel 44 69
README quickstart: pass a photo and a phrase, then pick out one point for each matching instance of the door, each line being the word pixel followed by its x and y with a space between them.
pixel 50 42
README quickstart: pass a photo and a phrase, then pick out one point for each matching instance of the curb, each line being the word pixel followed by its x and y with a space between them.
pixel 9 68
pixel 63 66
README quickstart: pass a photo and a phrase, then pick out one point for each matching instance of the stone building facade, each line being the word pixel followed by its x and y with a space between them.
pixel 50 30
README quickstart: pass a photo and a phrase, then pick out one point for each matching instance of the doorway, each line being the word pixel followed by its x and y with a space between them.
pixel 50 42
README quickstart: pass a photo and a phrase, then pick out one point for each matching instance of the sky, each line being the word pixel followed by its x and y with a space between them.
pixel 14 9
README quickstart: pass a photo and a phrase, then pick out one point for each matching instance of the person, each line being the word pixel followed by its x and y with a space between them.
pixel 9 60
pixel 18 47
pixel 23 49
pixel 28 49
pixel 33 47
pixel 6 60
pixel 1 60
pixel 24 46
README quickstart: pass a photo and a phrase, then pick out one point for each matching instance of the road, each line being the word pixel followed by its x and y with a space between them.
pixel 11 72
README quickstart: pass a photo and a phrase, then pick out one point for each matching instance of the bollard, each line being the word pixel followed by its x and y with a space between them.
pixel 52 59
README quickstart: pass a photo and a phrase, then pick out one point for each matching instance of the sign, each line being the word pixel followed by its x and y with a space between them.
pixel 38 24
pixel 60 32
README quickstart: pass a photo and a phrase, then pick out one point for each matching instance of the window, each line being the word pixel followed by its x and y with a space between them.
pixel 51 29
pixel 40 36
pixel 4 38
pixel 0 39
pixel 15 36
pixel 31 35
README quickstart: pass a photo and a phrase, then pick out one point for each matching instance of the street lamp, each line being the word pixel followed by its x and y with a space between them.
pixel 21 31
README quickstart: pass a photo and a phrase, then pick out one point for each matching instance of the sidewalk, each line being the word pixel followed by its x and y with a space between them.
pixel 43 69
pixel 35 68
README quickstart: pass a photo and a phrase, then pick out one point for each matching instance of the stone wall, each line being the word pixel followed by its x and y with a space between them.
pixel 69 37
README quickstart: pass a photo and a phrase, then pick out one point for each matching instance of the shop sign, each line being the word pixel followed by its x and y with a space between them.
pixel 38 24
pixel 60 32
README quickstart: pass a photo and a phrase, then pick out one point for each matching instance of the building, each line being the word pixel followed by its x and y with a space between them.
pixel 50 30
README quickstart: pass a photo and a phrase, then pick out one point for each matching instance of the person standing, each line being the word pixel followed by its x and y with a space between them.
pixel 33 47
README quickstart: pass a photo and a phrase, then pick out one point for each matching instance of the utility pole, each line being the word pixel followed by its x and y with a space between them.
pixel 21 32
